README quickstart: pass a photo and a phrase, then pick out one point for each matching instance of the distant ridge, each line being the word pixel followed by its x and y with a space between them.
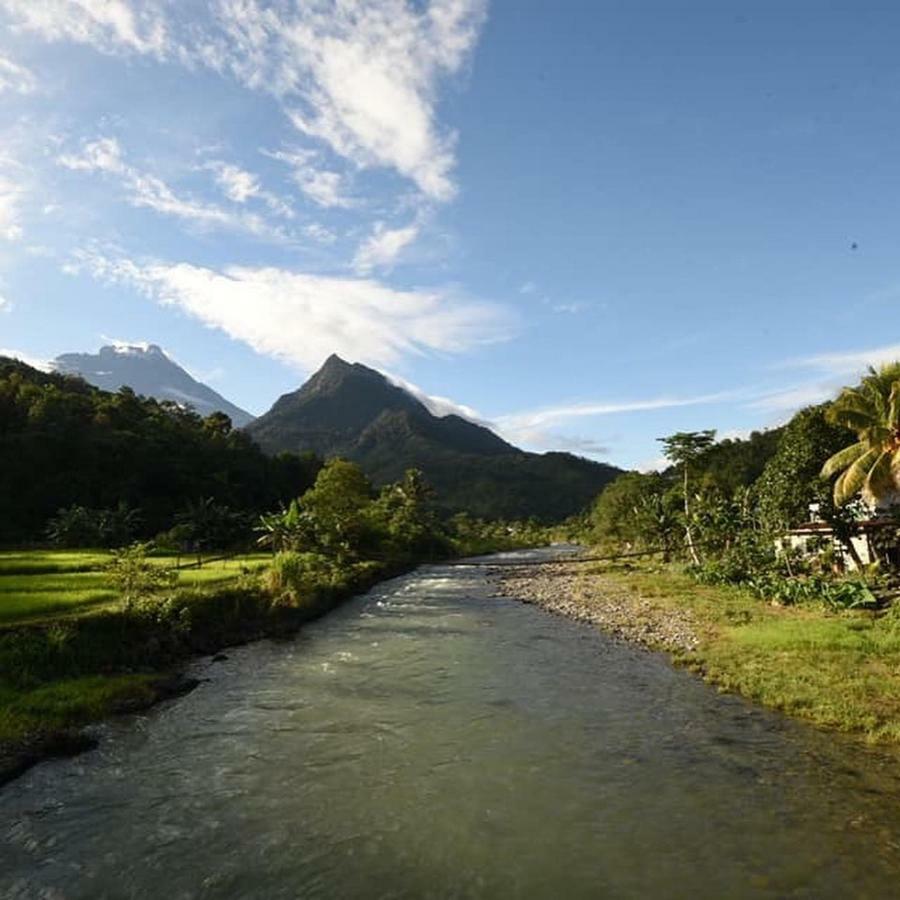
pixel 148 370
pixel 353 411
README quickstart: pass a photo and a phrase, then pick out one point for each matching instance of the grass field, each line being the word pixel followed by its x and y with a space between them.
pixel 36 584
pixel 837 669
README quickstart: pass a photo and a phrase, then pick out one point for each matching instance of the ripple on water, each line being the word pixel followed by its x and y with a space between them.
pixel 432 740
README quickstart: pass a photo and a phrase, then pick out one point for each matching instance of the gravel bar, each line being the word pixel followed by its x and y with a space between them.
pixel 603 602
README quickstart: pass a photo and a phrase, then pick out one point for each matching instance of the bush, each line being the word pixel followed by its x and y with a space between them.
pixel 299 579
pixel 138 580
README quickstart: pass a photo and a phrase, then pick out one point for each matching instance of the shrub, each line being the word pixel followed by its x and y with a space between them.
pixel 299 579
pixel 136 578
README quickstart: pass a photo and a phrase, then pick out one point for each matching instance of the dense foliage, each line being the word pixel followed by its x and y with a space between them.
pixel 722 506
pixel 84 457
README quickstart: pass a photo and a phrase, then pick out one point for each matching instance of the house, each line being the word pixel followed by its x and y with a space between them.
pixel 876 538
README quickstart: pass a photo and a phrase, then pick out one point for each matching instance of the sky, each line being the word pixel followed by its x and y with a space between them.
pixel 588 224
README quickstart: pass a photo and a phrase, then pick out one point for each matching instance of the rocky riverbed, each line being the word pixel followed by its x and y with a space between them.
pixel 567 590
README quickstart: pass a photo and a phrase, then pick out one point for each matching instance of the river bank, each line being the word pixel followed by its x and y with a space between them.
pixel 836 670
pixel 427 739
pixel 62 674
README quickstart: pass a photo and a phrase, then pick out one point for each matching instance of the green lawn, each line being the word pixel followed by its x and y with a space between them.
pixel 39 583
pixel 838 669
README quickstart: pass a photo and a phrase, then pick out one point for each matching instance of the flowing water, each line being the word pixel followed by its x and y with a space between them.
pixel 432 740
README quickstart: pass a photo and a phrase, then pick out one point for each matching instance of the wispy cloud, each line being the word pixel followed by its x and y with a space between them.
pixel 382 247
pixel 240 186
pixel 34 361
pixel 439 406
pixel 11 197
pixel 829 371
pixel 847 362
pixel 16 78
pixel 323 186
pixel 104 155
pixel 789 399
pixel 537 429
pixel 359 77
pixel 554 414
pixel 110 26
pixel 301 318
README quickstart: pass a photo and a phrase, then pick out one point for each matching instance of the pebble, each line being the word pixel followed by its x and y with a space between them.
pixel 561 589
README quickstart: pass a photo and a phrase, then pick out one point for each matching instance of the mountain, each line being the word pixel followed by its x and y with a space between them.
pixel 147 370
pixel 352 411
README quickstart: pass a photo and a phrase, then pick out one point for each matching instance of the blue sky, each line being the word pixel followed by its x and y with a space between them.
pixel 592 224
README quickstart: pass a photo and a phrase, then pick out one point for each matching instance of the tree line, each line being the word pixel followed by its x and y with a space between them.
pixel 99 468
pixel 721 505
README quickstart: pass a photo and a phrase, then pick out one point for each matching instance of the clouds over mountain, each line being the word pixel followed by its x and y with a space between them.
pixel 302 318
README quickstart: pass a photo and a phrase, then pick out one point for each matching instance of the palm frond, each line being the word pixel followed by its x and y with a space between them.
pixel 894 412
pixel 853 478
pixel 843 458
pixel 880 480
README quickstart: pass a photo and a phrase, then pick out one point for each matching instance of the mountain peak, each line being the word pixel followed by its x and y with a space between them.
pixel 147 369
pixel 140 348
pixel 349 410
pixel 334 362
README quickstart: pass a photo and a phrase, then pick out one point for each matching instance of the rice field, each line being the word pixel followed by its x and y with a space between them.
pixel 38 583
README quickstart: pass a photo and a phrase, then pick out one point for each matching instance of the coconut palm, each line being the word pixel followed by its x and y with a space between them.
pixel 871 466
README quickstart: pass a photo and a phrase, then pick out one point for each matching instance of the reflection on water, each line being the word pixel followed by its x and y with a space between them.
pixel 429 740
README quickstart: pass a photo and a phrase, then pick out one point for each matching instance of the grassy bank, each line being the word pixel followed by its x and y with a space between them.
pixel 67 664
pixel 835 669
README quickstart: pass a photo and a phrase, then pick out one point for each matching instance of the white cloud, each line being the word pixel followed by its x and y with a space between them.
pixel 657 464
pixel 529 287
pixel 109 26
pixel 104 155
pixel 540 418
pixel 320 233
pixel 5 305
pixel 16 78
pixel 11 197
pixel 361 77
pixel 100 155
pixel 848 363
pixel 35 362
pixel 570 308
pixel 792 398
pixel 535 429
pixel 544 439
pixel 436 405
pixel 237 184
pixel 323 186
pixel 240 186
pixel 301 318
pixel 831 371
pixel 382 247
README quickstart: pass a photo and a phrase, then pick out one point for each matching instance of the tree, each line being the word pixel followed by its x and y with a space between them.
pixel 336 505
pixel 871 466
pixel 631 509
pixel 792 480
pixel 683 448
pixel 404 510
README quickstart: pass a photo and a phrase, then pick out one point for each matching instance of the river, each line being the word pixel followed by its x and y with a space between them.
pixel 432 740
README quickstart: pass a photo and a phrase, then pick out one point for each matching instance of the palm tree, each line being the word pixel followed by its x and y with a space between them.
pixel 871 466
